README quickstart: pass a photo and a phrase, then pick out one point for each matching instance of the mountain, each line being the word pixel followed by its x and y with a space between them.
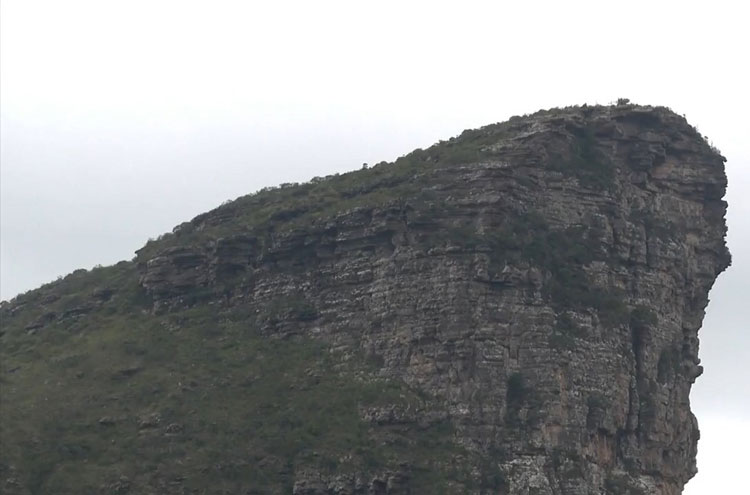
pixel 512 311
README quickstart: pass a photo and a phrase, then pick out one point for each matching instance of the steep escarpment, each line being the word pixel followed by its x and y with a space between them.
pixel 514 310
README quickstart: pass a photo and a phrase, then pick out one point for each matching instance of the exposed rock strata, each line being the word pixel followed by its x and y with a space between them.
pixel 548 293
pixel 459 321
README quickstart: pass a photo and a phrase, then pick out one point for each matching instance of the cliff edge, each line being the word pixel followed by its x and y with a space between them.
pixel 514 310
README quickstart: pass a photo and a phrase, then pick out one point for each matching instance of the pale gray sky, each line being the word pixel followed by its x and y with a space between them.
pixel 121 119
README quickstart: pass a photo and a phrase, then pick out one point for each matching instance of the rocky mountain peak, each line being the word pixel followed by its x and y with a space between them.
pixel 514 310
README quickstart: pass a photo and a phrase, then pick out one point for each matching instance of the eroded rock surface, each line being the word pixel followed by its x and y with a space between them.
pixel 544 280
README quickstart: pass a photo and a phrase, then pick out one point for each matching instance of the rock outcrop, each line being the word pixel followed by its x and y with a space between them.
pixel 541 282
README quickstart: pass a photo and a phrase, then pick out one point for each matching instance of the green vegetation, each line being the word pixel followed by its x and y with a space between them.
pixel 622 485
pixel 296 206
pixel 295 308
pixel 517 389
pixel 565 332
pixel 587 163
pixel 670 361
pixel 563 254
pixel 520 395
pixel 641 318
pixel 597 404
pixel 201 399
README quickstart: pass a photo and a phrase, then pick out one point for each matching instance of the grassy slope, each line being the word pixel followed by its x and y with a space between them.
pixel 196 398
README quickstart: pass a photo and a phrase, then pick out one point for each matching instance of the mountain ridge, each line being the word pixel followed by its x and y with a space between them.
pixel 514 310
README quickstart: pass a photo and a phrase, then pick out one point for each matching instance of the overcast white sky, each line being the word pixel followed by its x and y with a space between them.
pixel 121 119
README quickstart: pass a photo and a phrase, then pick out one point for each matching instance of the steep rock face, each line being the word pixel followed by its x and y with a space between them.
pixel 543 280
pixel 576 385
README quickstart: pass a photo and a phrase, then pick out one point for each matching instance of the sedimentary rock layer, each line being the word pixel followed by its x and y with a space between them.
pixel 539 283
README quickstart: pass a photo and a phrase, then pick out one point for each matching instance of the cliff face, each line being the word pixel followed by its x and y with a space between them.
pixel 521 304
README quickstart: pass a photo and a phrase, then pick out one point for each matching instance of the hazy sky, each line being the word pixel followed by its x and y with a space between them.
pixel 121 119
